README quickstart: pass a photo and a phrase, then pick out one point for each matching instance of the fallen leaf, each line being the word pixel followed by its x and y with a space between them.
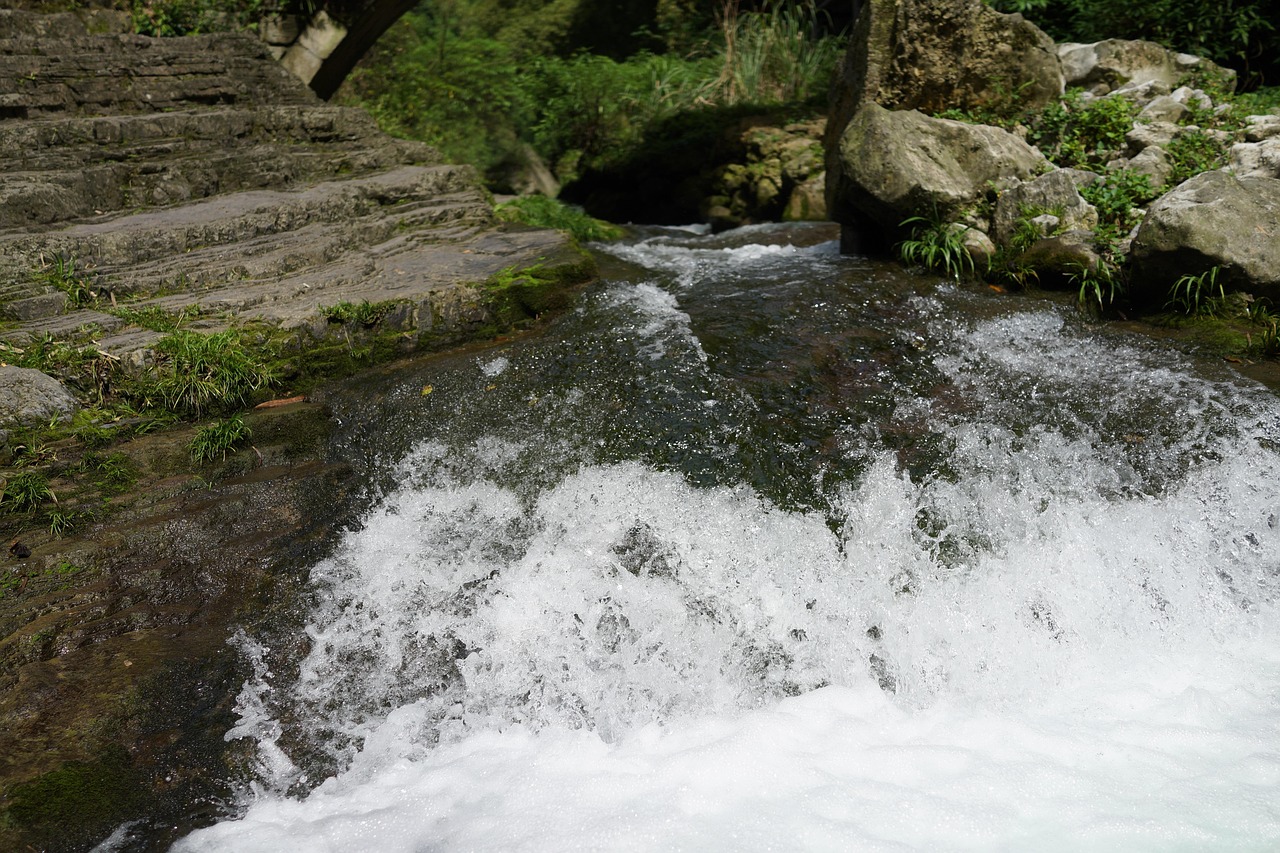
pixel 271 404
pixel 997 288
pixel 427 389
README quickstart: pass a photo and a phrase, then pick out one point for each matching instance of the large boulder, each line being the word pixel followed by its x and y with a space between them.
pixel 1213 219
pixel 931 55
pixel 1108 65
pixel 896 163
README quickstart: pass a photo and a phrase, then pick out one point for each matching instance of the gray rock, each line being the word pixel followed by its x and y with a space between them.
pixel 29 397
pixel 1153 161
pixel 897 164
pixel 1259 128
pixel 1145 134
pixel 1056 193
pixel 979 246
pixel 808 200
pixel 1142 92
pixel 1058 258
pixel 1213 219
pixel 1164 109
pixel 1256 159
pixel 1192 97
pixel 1104 66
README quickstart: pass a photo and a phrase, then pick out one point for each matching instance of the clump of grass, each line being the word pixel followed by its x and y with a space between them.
pixel 1197 295
pixel 1100 286
pixel 364 313
pixel 61 273
pixel 26 492
pixel 543 212
pixel 218 439
pixel 200 373
pixel 936 245
pixel 151 317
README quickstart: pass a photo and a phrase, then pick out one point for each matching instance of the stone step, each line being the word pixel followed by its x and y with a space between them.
pixel 253 235
pixel 32 200
pixel 65 169
pixel 56 143
pixel 236 217
pixel 125 74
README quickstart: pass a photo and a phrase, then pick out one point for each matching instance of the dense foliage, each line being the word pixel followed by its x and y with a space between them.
pixel 481 82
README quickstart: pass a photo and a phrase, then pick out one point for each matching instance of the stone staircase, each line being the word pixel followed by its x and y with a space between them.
pixel 196 176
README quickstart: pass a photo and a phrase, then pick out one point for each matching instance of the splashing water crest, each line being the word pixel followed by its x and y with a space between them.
pixel 802 555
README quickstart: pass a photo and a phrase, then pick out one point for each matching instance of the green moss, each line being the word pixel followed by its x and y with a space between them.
pixel 78 802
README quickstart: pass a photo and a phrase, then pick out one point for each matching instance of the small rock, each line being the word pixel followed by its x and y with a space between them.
pixel 1256 159
pixel 29 397
pixel 1166 109
pixel 1153 162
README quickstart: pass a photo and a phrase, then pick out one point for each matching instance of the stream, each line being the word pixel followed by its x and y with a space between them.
pixel 761 547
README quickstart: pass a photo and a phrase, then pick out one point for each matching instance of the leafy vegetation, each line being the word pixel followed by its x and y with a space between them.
pixel 218 439
pixel 199 373
pixel 544 212
pixel 26 492
pixel 1193 152
pixel 1117 196
pixel 363 313
pixel 936 245
pixel 1197 294
pixel 1079 133
pixel 1099 286
pixel 61 272
pixel 191 17
pixel 471 81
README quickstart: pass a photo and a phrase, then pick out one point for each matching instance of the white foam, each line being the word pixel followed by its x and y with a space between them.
pixel 1098 673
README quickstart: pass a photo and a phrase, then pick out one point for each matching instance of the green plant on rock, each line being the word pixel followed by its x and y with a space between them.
pixel 26 492
pixel 61 273
pixel 1193 152
pixel 1075 132
pixel 1100 286
pixel 543 212
pixel 218 439
pixel 936 245
pixel 197 373
pixel 1117 196
pixel 1198 295
pixel 152 317
pixel 363 313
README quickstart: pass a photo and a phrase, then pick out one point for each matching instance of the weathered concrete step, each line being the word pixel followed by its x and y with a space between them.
pixel 234 218
pixel 115 74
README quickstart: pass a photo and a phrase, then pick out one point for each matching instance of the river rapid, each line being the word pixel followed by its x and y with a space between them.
pixel 760 547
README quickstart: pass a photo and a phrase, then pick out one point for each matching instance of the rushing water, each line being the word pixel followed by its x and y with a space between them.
pixel 764 548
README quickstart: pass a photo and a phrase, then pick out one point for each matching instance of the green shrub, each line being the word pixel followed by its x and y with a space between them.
pixel 1116 196
pixel 1077 133
pixel 1195 295
pixel 1192 152
pixel 364 313
pixel 191 17
pixel 26 492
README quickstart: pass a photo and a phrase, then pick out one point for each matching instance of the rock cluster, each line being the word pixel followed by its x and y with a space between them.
pixel 779 177
pixel 886 161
